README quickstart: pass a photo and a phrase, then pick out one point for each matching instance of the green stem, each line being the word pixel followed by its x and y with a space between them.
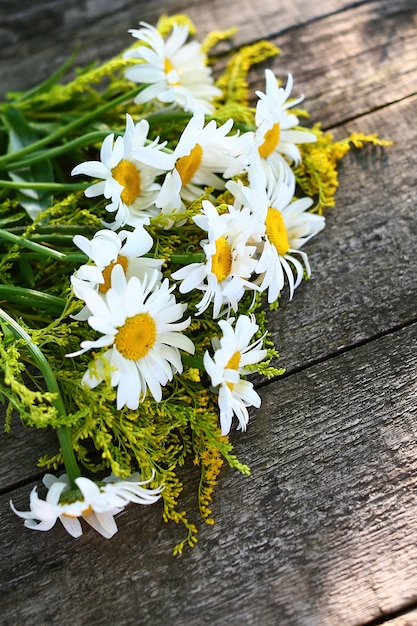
pixel 65 130
pixel 42 230
pixel 76 258
pixel 186 259
pixel 31 297
pixel 75 144
pixel 169 116
pixel 43 250
pixel 70 462
pixel 64 436
pixel 11 184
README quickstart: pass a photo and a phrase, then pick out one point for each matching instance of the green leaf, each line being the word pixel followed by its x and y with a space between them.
pixel 21 134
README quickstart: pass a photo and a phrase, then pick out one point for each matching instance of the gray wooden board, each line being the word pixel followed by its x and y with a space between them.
pixel 21 450
pixel 322 533
pixel 28 53
pixel 353 61
pixel 344 70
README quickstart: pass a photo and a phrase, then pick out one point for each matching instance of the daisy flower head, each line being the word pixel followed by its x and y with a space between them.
pixel 288 226
pixel 232 356
pixel 107 249
pixel 275 125
pixel 96 503
pixel 229 263
pixel 128 168
pixel 138 322
pixel 174 71
pixel 201 157
pixel 274 142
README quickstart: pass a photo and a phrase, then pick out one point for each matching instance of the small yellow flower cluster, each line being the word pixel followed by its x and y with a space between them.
pixel 211 464
pixel 317 173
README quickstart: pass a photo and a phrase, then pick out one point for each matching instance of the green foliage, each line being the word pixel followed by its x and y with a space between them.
pixel 21 134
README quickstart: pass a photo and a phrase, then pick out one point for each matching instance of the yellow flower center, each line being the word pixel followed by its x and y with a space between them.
pixel 233 364
pixel 136 337
pixel 271 140
pixel 276 231
pixel 127 175
pixel 187 166
pixel 168 67
pixel 121 260
pixel 221 260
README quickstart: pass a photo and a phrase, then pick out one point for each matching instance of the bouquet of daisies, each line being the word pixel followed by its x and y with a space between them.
pixel 150 215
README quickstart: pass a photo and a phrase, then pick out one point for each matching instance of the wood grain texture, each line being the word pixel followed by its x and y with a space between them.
pixel 21 449
pixel 354 61
pixel 28 54
pixel 352 66
pixel 322 533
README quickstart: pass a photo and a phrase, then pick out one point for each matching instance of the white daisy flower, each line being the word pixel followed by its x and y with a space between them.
pixel 230 262
pixel 232 355
pixel 275 135
pixel 175 71
pixel 202 153
pixel 128 168
pixel 138 320
pixel 275 126
pixel 288 226
pixel 107 249
pixel 96 503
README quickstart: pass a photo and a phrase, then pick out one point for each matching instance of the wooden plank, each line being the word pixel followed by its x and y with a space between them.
pixel 29 55
pixel 323 532
pixel 353 61
pixel 344 70
pixel 20 453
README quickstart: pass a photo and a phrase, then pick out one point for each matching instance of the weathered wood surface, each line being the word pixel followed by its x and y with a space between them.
pixel 324 530
pixel 322 533
pixel 39 37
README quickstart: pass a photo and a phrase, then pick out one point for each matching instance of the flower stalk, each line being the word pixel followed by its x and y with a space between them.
pixel 42 186
pixel 41 250
pixel 64 131
pixel 63 433
pixel 48 154
pixel 32 298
